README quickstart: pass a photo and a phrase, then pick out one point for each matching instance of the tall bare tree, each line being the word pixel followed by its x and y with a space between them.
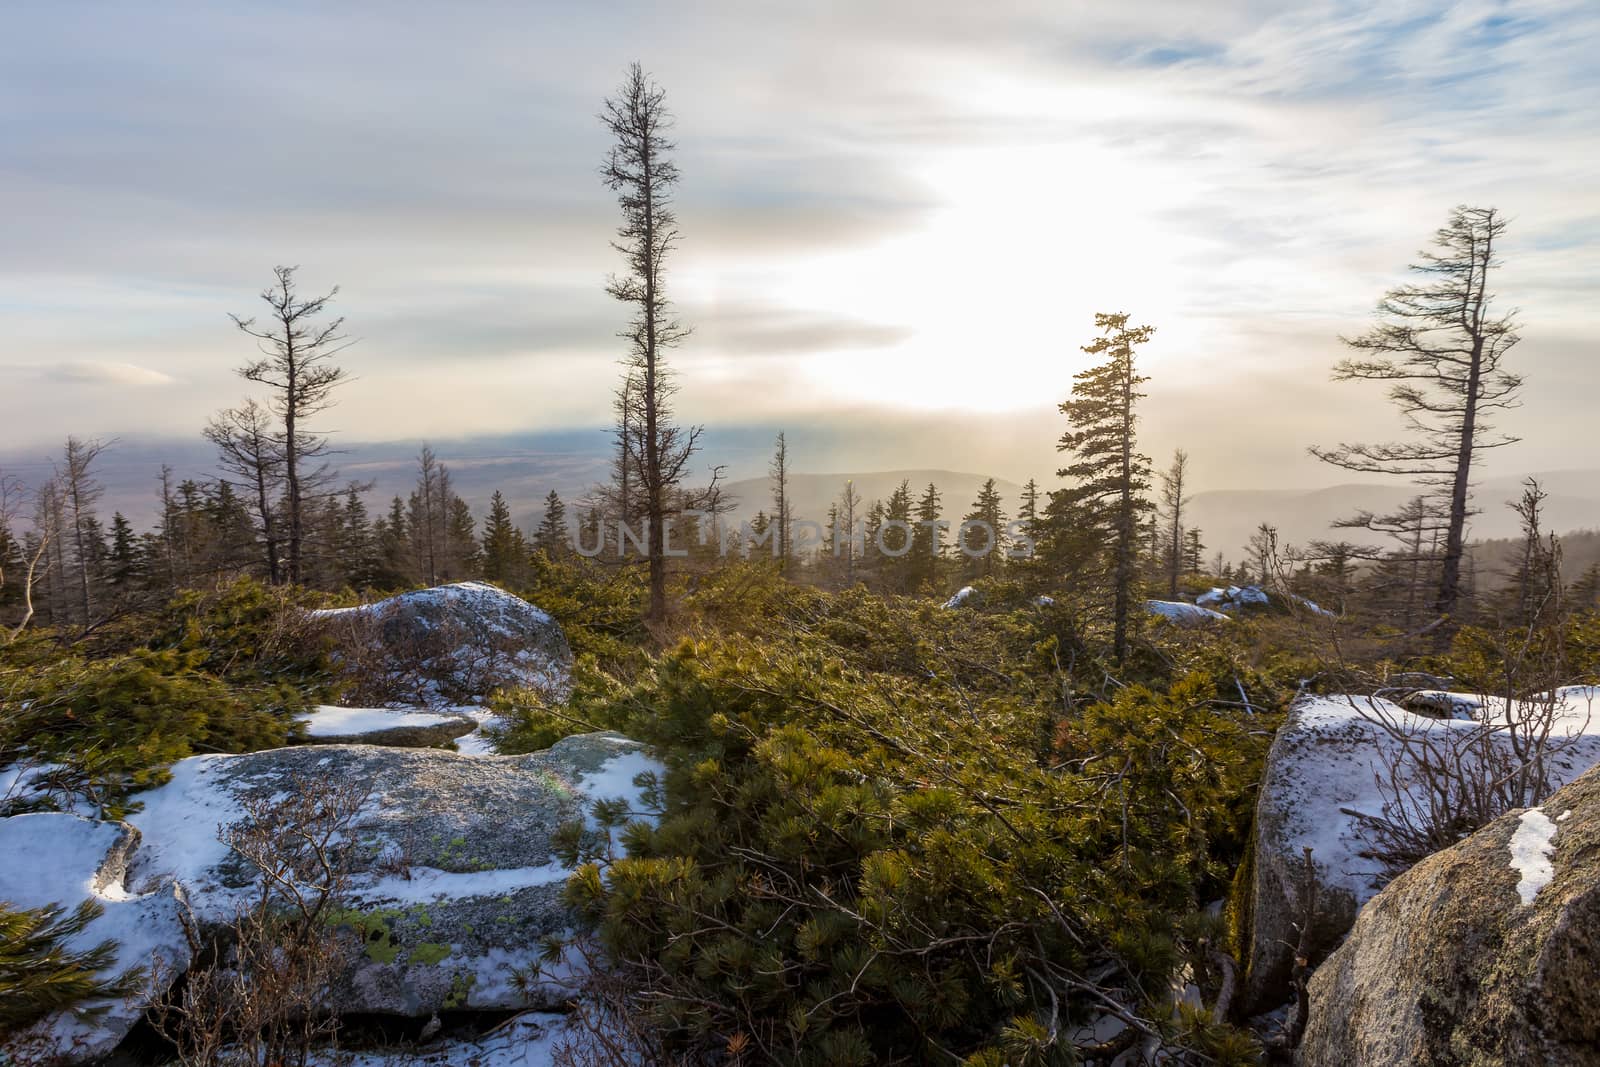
pixel 639 169
pixel 1441 345
pixel 248 448
pixel 79 492
pixel 297 365
pixel 1171 507
pixel 782 509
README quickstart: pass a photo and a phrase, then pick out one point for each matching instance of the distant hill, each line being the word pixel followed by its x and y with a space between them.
pixel 812 494
pixel 1228 517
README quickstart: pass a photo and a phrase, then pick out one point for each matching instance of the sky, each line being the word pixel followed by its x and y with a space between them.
pixel 893 214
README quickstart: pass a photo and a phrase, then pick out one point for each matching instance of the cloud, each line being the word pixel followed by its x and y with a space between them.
pixel 104 372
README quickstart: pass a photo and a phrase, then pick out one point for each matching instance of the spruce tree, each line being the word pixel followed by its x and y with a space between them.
pixel 983 552
pixel 640 170
pixel 502 548
pixel 553 538
pixel 1441 347
pixel 927 545
pixel 1109 477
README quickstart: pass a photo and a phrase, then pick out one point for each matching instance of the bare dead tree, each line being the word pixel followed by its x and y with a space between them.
pixel 1171 510
pixel 296 364
pixel 248 448
pixel 79 493
pixel 782 509
pixel 640 170
pixel 1442 347
pixel 30 552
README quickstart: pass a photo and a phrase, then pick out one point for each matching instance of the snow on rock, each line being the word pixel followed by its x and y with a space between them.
pixel 402 727
pixel 456 881
pixel 63 859
pixel 1331 758
pixel 1233 597
pixel 961 596
pixel 1531 846
pixel 1183 613
pixel 448 645
pixel 1466 959
pixel 530 1040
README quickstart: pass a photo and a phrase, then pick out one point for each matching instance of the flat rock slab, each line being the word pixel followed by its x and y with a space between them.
pixel 455 880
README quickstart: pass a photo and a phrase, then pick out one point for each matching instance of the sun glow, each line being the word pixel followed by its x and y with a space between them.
pixel 1001 285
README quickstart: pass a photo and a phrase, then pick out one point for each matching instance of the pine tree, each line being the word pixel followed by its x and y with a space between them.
pixel 1442 348
pixel 504 557
pixel 1194 551
pixel 553 537
pixel 1585 592
pixel 895 537
pixel 983 546
pixel 640 170
pixel 462 560
pixel 1109 476
pixel 927 545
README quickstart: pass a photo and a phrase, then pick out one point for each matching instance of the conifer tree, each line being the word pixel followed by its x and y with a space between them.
pixel 502 550
pixel 640 170
pixel 1585 592
pixel 1441 346
pixel 1109 476
pixel 896 536
pixel 983 552
pixel 553 537
pixel 1194 550
pixel 927 541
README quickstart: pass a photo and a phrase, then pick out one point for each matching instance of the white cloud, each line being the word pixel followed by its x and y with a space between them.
pixel 103 372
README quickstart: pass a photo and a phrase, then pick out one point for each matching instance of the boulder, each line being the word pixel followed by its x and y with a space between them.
pixel 393 727
pixel 62 859
pixel 454 881
pixel 1485 953
pixel 1183 613
pixel 1331 757
pixel 449 645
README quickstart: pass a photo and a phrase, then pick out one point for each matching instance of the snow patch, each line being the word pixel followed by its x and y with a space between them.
pixel 329 721
pixel 960 597
pixel 1532 844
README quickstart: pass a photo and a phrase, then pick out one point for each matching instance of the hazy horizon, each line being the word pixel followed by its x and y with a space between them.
pixel 894 217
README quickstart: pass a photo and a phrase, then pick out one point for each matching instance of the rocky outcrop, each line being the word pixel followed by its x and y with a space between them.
pixel 455 881
pixel 1331 757
pixel 448 645
pixel 59 859
pixel 455 874
pixel 1485 953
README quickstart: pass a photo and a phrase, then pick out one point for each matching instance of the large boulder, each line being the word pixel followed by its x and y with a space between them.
pixel 455 876
pixel 1333 756
pixel 1485 953
pixel 60 859
pixel 448 645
